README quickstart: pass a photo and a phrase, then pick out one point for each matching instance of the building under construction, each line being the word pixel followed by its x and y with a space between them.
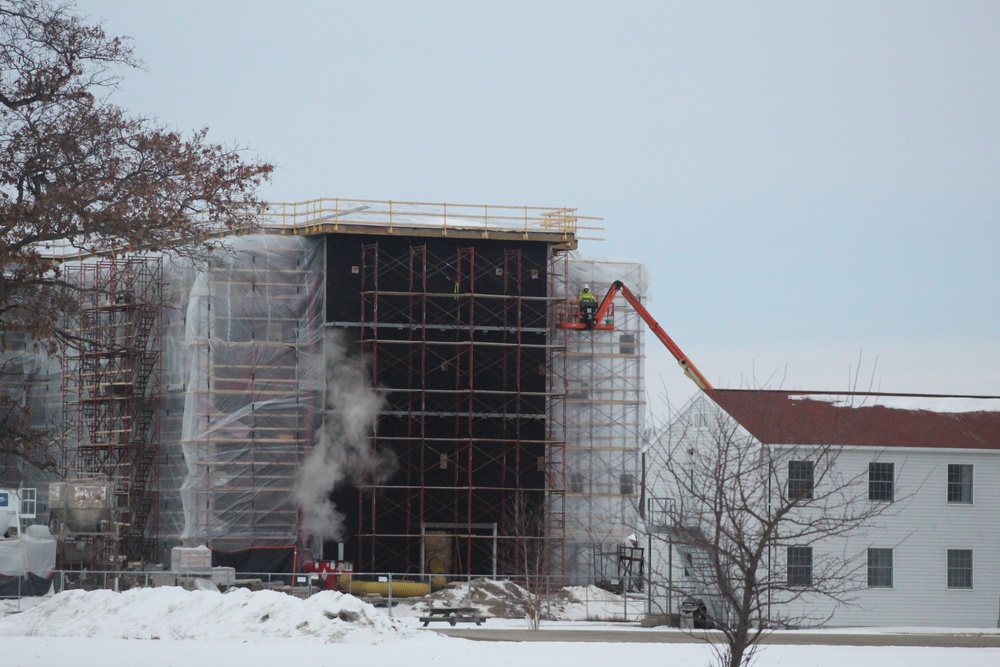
pixel 382 382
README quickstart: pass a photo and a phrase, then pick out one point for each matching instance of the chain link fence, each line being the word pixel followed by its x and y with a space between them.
pixel 398 595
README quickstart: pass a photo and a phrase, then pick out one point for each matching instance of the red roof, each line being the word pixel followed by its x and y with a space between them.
pixel 864 419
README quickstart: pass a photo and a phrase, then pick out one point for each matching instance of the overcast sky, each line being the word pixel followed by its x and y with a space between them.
pixel 810 183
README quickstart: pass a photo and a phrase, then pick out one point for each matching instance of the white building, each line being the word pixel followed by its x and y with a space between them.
pixel 931 464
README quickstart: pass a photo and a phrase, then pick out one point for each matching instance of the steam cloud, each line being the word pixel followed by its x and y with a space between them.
pixel 342 451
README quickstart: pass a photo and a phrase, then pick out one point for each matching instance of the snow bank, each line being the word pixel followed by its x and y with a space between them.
pixel 174 613
pixel 589 603
pixel 505 599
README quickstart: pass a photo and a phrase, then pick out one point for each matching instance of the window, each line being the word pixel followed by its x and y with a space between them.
pixel 880 568
pixel 800 480
pixel 29 503
pixel 959 568
pixel 880 481
pixel 959 483
pixel 800 566
pixel 626 482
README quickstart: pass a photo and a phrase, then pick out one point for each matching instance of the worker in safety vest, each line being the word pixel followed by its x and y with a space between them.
pixel 588 306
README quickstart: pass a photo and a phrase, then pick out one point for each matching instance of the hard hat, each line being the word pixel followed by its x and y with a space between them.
pixel 586 288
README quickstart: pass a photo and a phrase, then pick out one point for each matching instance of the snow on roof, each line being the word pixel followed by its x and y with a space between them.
pixel 946 404
pixel 864 419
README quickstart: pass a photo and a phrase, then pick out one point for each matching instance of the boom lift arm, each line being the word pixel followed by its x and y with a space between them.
pixel 689 368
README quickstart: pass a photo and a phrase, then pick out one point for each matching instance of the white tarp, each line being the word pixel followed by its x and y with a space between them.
pixel 34 552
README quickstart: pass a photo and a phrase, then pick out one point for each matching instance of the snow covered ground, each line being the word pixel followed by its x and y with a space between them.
pixel 169 626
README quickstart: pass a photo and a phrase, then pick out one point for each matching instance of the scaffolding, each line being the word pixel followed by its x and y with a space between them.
pixel 489 408
pixel 595 474
pixel 456 338
pixel 253 333
pixel 111 393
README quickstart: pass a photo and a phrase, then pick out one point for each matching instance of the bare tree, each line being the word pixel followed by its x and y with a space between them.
pixel 81 174
pixel 531 557
pixel 765 525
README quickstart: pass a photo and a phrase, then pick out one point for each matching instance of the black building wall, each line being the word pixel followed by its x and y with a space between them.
pixel 455 333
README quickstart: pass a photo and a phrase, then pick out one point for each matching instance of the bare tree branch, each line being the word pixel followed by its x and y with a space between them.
pixel 78 173
pixel 740 512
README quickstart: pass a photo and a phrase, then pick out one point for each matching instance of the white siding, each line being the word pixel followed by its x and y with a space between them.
pixel 920 528
pixel 695 427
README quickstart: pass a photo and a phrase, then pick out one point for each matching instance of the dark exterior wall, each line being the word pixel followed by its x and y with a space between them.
pixel 464 379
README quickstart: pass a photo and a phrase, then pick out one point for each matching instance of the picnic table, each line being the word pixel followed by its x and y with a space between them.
pixel 453 615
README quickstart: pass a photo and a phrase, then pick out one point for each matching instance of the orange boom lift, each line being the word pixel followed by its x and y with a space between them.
pixel 602 318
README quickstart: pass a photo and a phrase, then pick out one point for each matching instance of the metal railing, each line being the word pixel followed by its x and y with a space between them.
pixel 330 213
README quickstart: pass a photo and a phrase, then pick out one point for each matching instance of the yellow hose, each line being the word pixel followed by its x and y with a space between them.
pixel 400 589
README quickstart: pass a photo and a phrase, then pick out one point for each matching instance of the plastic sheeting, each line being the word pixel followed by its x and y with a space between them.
pixel 603 415
pixel 252 398
pixel 32 553
pixel 241 390
pixel 32 379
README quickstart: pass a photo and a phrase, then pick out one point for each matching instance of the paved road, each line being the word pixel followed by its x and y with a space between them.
pixel 965 640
